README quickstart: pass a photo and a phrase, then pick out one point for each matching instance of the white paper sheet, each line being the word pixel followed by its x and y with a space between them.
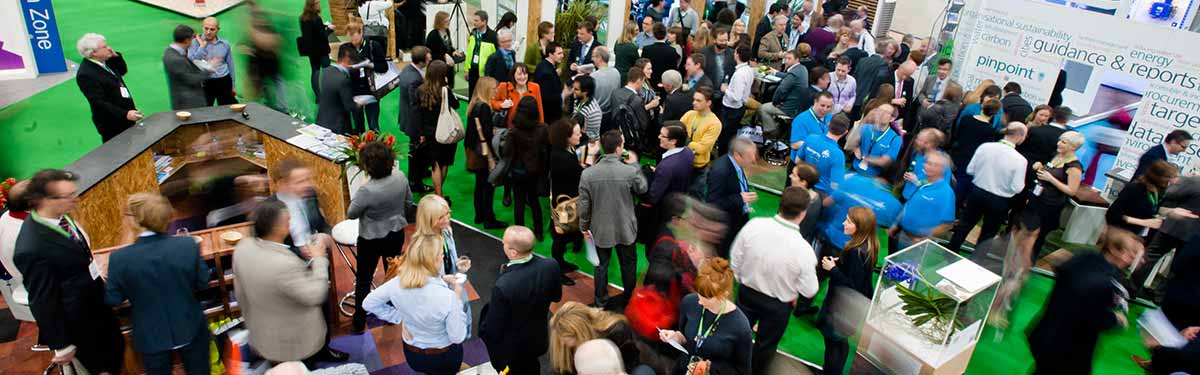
pixel 969 276
pixel 1154 323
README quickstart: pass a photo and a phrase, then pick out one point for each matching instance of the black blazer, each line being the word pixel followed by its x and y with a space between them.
pixel 335 100
pixel 724 190
pixel 370 50
pixel 496 68
pixel 516 320
pixel 66 301
pixel 547 78
pixel 1181 297
pixel 406 86
pixel 1080 307
pixel 662 58
pixel 908 92
pixel 103 92
pixel 564 173
pixel 158 275
pixel 678 103
pixel 314 39
pixel 1151 155
pixel 438 47
pixel 710 65
pixel 576 49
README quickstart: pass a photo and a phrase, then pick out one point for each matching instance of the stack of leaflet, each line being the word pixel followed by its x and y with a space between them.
pixel 319 140
pixel 162 167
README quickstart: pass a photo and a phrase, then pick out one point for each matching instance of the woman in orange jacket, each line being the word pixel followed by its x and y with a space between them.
pixel 508 94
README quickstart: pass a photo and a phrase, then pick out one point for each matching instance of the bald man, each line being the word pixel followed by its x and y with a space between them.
pixel 516 320
pixel 599 357
pixel 207 46
pixel 902 80
pixel 998 172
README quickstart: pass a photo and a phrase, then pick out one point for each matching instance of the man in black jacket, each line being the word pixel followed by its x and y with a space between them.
pixel 373 55
pixel 546 76
pixel 718 59
pixel 516 321
pixel 729 190
pixel 499 64
pixel 678 101
pixel 411 77
pixel 662 56
pixel 66 292
pixel 100 80
pixel 1015 107
pixel 581 47
pixel 336 100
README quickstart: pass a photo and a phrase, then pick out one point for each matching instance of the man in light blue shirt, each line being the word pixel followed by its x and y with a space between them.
pixel 208 47
pixel 822 151
pixel 929 210
pixel 814 121
pixel 856 190
pixel 878 146
pixel 644 38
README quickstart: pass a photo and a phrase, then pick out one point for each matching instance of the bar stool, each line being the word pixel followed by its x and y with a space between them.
pixel 345 239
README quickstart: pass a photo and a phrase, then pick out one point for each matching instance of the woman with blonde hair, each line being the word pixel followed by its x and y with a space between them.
pixel 626 51
pixel 481 158
pixel 975 95
pixel 1040 116
pixel 849 272
pixel 575 323
pixel 433 219
pixel 428 305
pixel 703 37
pixel 712 327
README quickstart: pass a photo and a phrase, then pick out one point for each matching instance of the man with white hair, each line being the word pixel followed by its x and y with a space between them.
pixel 100 80
pixel 598 357
pixel 865 39
pixel 999 174
pixel 499 65
pixel 208 46
pixel 677 101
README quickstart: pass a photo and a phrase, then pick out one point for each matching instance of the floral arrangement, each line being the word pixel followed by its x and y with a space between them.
pixel 903 273
pixel 4 187
pixel 356 142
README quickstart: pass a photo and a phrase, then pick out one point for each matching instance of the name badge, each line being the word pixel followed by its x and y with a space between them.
pixel 94 269
pixel 475 60
pixel 862 164
pixel 124 92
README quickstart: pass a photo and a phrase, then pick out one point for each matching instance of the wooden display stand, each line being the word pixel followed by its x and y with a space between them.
pixel 887 351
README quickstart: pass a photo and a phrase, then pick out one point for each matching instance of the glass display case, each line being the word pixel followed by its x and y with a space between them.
pixel 928 311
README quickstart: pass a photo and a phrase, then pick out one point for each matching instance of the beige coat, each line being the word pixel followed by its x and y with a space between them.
pixel 768 51
pixel 281 298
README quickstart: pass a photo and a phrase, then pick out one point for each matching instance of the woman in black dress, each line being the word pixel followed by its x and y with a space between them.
pixel 481 158
pixel 849 273
pixel 438 76
pixel 711 327
pixel 440 42
pixel 1136 207
pixel 525 148
pixel 565 167
pixel 1055 182
pixel 314 41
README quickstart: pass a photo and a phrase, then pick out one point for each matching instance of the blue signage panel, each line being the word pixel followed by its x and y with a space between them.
pixel 42 26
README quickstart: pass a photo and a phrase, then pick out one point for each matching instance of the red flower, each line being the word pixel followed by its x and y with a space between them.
pixel 10 181
pixel 369 136
pixel 390 140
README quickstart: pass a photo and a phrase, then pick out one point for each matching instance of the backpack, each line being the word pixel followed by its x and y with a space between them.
pixel 625 119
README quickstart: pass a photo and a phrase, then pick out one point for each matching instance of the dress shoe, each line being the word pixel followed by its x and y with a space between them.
pixel 806 310
pixel 421 188
pixel 565 280
pixel 495 224
pixel 568 267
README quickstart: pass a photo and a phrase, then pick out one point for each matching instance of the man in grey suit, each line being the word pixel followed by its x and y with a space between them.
pixel 606 215
pixel 336 98
pixel 934 87
pixel 410 78
pixel 280 294
pixel 184 79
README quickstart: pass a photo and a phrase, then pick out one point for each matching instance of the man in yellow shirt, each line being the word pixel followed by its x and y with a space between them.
pixel 703 126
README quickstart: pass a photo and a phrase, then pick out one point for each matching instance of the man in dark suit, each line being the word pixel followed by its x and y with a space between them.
pixel 500 64
pixel 718 59
pixel 901 79
pixel 99 79
pixel 336 100
pixel 694 73
pixel 1175 142
pixel 66 292
pixel 678 101
pixel 185 80
pixel 1181 299
pixel 868 73
pixel 729 190
pixel 158 274
pixel 1015 107
pixel 1179 224
pixel 672 175
pixel 581 47
pixel 516 321
pixel 662 56
pixel 546 76
pixel 411 77
pixel 628 96
pixel 790 96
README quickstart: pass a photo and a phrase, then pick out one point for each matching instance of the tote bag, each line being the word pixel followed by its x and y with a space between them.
pixel 449 125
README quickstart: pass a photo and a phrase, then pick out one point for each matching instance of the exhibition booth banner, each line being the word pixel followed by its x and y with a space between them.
pixel 29 41
pixel 1027 42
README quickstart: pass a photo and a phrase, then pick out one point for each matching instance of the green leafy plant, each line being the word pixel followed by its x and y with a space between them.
pixel 574 13
pixel 925 307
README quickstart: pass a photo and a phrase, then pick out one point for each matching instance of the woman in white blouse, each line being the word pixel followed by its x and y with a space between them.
pixel 429 306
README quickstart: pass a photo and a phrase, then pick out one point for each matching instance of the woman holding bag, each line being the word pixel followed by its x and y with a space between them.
pixel 565 168
pixel 510 93
pixel 438 76
pixel 481 158
pixel 525 146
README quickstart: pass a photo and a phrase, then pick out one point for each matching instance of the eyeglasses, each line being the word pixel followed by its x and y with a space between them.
pixel 71 195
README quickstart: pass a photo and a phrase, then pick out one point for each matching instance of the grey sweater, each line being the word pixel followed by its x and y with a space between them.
pixel 379 205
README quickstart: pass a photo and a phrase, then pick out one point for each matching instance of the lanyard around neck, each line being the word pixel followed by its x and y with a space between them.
pixel 700 332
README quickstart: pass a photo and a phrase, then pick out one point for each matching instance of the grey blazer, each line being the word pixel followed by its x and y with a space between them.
pixel 1183 194
pixel 379 206
pixel 606 192
pixel 335 100
pixel 410 79
pixel 185 81
pixel 927 88
pixel 281 297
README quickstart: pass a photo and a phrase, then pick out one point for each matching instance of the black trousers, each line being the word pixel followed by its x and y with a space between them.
pixel 446 363
pixel 731 121
pixel 980 203
pixel 558 249
pixel 836 351
pixel 525 192
pixel 195 358
pixel 418 162
pixel 99 344
pixel 485 194
pixel 627 259
pixel 369 253
pixel 1161 245
pixel 771 315
pixel 364 117
pixel 219 90
pixel 316 63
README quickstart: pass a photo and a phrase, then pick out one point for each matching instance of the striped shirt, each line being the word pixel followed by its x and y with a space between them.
pixel 588 114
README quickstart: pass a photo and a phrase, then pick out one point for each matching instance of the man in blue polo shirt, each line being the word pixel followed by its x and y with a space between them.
pixel 878 145
pixel 822 151
pixel 856 190
pixel 927 140
pixel 930 209
pixel 814 121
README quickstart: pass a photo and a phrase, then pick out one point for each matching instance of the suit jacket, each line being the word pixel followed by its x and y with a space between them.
pixel 793 92
pixel 672 175
pixel 724 189
pixel 281 297
pixel 926 92
pixel 869 73
pixel 1079 308
pixel 546 76
pixel 606 192
pixel 1181 297
pixel 768 51
pixel 185 81
pixel 576 50
pixel 1184 194
pixel 516 320
pixel 705 81
pixel 103 92
pixel 380 205
pixel 335 100
pixel 710 66
pixel 662 58
pixel 158 275
pixel 66 301
pixel 1015 107
pixel 410 79
pixel 676 104
pixel 497 68
pixel 634 102
pixel 908 92
pixel 940 115
pixel 1151 155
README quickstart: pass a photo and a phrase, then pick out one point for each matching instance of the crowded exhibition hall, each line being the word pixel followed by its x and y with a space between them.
pixel 599 187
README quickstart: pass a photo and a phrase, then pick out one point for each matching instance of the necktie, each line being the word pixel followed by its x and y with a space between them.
pixel 937 89
pixel 66 226
pixel 899 88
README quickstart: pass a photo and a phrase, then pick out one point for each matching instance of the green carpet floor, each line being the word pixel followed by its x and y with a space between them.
pixel 53 128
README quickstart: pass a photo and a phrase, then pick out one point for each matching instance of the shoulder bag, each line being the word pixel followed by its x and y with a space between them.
pixel 565 212
pixel 449 126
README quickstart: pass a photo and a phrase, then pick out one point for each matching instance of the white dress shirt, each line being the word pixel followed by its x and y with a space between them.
pixel 739 87
pixel 998 168
pixel 298 224
pixel 432 314
pixel 770 256
pixel 866 41
pixel 375 12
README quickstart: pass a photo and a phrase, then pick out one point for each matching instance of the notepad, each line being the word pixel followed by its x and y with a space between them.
pixel 968 276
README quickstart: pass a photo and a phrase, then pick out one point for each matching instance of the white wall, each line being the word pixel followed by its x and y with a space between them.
pixel 916 17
